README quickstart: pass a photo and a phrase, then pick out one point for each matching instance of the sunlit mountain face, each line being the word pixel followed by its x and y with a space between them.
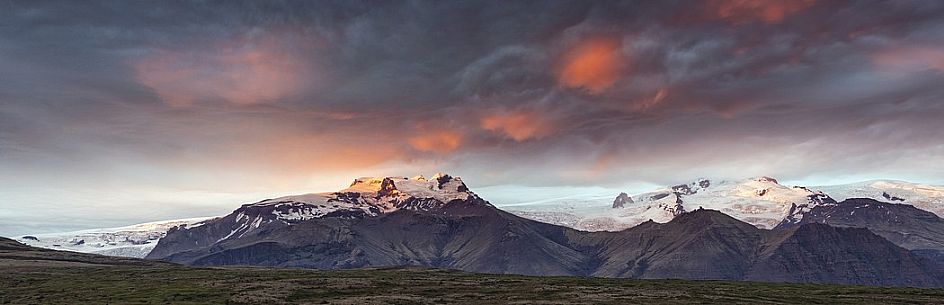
pixel 114 112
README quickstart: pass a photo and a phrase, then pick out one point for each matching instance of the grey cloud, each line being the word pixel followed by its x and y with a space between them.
pixel 700 96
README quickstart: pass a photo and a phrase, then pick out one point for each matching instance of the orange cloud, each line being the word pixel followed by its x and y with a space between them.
pixel 593 65
pixel 442 141
pixel 745 11
pixel 910 58
pixel 252 70
pixel 518 126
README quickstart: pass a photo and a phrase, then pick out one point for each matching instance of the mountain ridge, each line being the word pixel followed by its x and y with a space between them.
pixel 761 201
pixel 471 234
pixel 136 242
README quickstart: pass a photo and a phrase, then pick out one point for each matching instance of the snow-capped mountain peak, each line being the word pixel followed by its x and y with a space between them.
pixel 441 187
pixel 761 201
pixel 365 197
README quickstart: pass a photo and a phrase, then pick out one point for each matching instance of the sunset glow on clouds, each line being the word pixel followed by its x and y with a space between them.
pixel 258 69
pixel 744 11
pixel 593 65
pixel 286 97
pixel 518 125
pixel 442 141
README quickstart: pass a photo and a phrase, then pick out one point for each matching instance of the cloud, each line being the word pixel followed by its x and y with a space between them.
pixel 594 65
pixel 293 97
pixel 439 141
pixel 910 58
pixel 519 125
pixel 745 11
pixel 257 68
pixel 651 102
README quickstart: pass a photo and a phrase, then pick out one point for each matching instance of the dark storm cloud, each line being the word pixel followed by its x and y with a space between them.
pixel 229 95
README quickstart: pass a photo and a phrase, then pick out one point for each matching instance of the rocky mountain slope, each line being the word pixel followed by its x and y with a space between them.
pixel 904 225
pixel 706 244
pixel 440 223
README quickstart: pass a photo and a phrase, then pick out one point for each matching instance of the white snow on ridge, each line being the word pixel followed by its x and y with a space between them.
pixel 130 241
pixel 308 206
pixel 372 199
pixel 591 213
pixel 923 196
pixel 760 201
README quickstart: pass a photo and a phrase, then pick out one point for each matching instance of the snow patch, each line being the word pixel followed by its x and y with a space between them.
pixel 130 241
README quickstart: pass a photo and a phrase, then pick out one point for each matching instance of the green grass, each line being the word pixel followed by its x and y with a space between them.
pixel 181 285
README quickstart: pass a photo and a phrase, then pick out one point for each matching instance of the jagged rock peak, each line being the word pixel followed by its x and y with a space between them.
pixel 622 200
pixel 691 188
pixel 765 179
pixel 366 184
pixel 441 186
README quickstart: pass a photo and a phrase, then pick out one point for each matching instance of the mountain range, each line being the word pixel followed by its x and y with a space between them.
pixel 438 222
pixel 754 229
pixel 760 201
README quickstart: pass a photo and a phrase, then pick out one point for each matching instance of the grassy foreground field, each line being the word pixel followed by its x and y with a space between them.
pixel 50 283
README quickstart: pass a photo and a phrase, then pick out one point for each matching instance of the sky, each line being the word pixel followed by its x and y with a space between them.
pixel 116 112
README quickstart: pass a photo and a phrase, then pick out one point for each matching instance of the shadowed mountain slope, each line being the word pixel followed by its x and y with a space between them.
pixel 902 224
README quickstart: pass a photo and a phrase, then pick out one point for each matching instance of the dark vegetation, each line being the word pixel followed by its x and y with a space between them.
pixel 38 276
pixel 183 285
